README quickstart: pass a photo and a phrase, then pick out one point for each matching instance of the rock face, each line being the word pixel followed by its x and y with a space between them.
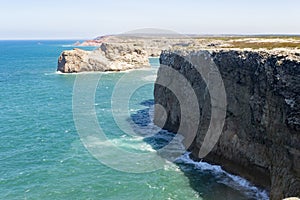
pixel 109 57
pixel 261 136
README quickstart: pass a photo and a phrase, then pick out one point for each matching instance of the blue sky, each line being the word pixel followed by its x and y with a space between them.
pixel 36 19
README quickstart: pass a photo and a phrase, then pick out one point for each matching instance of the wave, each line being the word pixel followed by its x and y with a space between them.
pixel 109 72
pixel 79 73
pixel 161 137
pixel 52 73
pixel 68 45
pixel 226 178
pixel 150 78
pixel 135 144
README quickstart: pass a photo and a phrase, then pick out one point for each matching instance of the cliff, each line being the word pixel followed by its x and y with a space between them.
pixel 260 139
pixel 123 52
pixel 108 57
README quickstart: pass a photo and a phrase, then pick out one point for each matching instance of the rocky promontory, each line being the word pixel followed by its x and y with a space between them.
pixel 108 57
pixel 260 139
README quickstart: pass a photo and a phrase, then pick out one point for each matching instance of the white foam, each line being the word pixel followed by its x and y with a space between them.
pixel 230 180
pixel 170 166
pixel 50 74
pixel 150 78
pixel 68 45
pixel 133 143
pixel 60 73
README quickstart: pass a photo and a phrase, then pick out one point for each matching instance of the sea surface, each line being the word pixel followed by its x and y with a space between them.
pixel 43 156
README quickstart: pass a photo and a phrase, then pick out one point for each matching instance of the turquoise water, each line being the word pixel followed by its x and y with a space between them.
pixel 42 156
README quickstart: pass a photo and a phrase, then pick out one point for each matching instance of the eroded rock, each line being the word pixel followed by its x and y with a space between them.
pixel 109 57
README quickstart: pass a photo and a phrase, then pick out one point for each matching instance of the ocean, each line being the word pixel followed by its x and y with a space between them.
pixel 43 154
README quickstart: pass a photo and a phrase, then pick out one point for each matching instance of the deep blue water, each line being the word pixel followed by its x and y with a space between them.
pixel 42 156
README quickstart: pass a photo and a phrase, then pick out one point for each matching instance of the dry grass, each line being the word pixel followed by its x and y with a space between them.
pixel 227 38
pixel 267 45
pixel 254 42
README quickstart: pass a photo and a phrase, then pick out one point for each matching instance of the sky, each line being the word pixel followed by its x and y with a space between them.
pixel 84 19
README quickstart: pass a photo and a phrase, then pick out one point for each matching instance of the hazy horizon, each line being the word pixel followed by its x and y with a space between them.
pixel 88 19
pixel 200 35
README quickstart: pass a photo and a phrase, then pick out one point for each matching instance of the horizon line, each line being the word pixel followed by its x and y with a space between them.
pixel 187 34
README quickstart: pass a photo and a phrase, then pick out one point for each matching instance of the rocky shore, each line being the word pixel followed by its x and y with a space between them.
pixel 260 139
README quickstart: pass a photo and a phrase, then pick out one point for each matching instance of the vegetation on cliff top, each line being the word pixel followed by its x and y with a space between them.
pixel 256 42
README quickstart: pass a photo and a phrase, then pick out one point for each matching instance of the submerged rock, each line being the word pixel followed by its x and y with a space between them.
pixel 261 136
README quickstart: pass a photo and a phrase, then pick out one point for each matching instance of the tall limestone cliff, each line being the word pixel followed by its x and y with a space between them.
pixel 260 139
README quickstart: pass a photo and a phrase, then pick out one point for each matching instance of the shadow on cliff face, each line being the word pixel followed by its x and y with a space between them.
pixel 209 182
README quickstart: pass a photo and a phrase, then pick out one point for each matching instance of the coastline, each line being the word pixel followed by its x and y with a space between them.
pixel 245 50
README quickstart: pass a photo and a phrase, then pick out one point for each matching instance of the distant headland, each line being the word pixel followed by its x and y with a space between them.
pixel 123 52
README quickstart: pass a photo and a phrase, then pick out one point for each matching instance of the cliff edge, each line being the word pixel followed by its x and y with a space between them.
pixel 261 136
